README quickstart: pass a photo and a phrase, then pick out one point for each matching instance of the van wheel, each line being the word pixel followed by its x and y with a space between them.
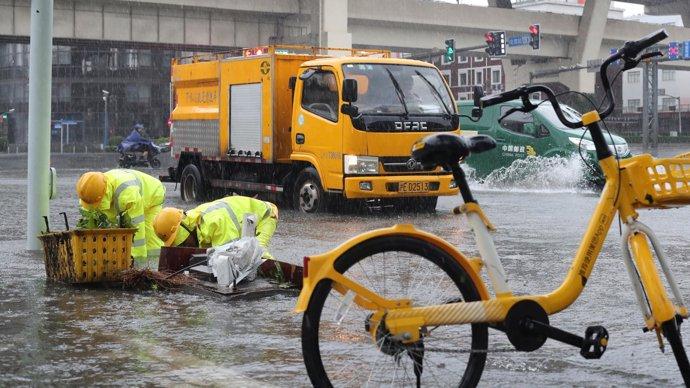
pixel 308 195
pixel 192 188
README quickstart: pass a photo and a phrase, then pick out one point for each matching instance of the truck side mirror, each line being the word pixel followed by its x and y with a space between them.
pixel 349 90
pixel 292 82
pixel 477 94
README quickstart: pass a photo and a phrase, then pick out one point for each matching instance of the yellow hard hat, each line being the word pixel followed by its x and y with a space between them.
pixel 167 226
pixel 91 188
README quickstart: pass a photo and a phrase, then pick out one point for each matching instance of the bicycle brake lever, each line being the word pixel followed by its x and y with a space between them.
pixel 651 55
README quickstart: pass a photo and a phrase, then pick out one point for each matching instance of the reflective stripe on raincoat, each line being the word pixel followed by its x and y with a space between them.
pixel 220 222
pixel 140 196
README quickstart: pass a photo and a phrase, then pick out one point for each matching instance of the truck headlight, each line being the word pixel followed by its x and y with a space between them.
pixel 584 143
pixel 619 149
pixel 354 164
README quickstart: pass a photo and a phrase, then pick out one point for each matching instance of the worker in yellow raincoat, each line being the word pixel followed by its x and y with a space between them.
pixel 134 193
pixel 216 223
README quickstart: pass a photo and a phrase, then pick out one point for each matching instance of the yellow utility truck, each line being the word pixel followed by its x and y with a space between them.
pixel 311 127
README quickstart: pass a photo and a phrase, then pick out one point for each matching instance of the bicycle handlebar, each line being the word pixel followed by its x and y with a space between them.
pixel 628 53
pixel 633 48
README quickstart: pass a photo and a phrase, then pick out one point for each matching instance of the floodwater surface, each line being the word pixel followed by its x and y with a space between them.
pixel 56 334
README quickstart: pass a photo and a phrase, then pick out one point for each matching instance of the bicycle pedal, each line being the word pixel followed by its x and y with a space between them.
pixel 595 342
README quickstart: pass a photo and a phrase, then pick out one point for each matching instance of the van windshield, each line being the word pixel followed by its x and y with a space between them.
pixel 547 112
pixel 386 89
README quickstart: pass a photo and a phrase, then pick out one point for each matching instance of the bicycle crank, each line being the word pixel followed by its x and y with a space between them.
pixel 527 327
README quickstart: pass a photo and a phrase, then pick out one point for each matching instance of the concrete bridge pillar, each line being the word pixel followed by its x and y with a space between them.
pixel 587 45
pixel 329 23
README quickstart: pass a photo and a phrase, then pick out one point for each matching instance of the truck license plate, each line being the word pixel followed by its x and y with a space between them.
pixel 413 187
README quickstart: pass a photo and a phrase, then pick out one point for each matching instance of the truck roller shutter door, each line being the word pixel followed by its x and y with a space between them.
pixel 245 117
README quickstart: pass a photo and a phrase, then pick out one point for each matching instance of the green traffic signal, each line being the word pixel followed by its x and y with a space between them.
pixel 449 55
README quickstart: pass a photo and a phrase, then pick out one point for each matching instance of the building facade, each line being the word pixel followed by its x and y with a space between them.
pixel 472 69
pixel 135 82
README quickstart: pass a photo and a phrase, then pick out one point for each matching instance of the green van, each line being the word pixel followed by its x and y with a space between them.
pixel 538 133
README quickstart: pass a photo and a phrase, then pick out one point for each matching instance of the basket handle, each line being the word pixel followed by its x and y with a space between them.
pixel 64 216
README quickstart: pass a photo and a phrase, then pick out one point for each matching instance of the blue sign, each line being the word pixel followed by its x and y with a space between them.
pixel 520 40
pixel 673 51
pixel 686 49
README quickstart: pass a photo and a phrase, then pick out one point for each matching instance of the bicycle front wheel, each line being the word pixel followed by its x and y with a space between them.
pixel 337 349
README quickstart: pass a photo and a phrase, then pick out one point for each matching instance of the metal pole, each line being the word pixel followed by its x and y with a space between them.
pixel 655 108
pixel 105 121
pixel 62 130
pixel 680 127
pixel 40 78
pixel 645 107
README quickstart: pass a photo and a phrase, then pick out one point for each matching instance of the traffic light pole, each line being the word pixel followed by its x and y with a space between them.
pixel 40 75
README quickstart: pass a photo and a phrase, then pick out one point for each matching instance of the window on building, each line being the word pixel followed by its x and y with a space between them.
pixel 320 95
pixel 668 103
pixel 479 59
pixel 446 76
pixel 479 78
pixel 633 104
pixel 633 77
pixel 462 78
pixel 112 59
pixel 668 75
pixel 62 55
pixel 462 59
pixel 495 76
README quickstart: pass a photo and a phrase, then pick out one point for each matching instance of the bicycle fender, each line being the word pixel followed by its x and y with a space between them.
pixel 320 267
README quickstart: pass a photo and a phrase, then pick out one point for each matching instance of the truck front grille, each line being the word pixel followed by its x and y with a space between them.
pixel 400 164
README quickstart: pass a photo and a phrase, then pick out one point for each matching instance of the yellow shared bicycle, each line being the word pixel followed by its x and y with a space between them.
pixel 411 297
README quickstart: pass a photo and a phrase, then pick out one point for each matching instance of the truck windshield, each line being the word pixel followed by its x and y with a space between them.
pixel 387 89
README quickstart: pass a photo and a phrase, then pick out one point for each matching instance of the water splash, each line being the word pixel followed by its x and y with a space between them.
pixel 536 174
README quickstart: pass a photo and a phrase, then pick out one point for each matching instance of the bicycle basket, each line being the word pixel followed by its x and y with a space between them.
pixel 660 182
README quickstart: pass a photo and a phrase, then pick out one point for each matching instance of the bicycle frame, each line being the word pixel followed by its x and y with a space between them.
pixel 402 317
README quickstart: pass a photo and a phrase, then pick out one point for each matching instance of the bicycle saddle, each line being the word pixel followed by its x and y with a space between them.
pixel 446 149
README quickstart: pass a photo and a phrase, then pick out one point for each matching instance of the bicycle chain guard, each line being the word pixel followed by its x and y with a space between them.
pixel 518 329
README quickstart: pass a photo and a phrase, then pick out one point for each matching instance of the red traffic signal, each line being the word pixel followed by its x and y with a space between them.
pixel 489 37
pixel 535 36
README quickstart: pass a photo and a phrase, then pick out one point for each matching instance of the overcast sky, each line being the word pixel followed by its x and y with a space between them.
pixel 630 9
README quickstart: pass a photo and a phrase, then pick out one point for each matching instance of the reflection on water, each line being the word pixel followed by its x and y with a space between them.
pixel 53 334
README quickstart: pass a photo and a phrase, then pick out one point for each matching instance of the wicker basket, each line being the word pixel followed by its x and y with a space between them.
pixel 87 255
pixel 659 182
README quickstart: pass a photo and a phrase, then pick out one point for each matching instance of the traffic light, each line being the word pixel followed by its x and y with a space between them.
pixel 496 43
pixel 449 55
pixel 534 36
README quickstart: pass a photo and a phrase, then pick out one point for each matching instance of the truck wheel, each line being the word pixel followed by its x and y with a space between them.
pixel 426 204
pixel 308 195
pixel 192 188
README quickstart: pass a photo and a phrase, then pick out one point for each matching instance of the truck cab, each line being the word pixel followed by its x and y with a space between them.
pixel 355 120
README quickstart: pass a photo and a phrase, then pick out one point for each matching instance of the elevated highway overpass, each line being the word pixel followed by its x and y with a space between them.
pixel 401 25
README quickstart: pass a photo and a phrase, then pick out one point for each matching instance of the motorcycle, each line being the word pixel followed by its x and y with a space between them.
pixel 136 151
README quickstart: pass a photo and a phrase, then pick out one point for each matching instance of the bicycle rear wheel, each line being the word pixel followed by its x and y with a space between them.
pixel 338 350
pixel 671 330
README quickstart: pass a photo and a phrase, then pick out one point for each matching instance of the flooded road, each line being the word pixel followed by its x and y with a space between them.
pixel 58 335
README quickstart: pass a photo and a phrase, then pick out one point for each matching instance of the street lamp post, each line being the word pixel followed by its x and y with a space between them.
pixel 106 94
pixel 680 128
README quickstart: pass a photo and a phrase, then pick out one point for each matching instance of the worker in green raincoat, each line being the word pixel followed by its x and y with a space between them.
pixel 216 223
pixel 133 193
